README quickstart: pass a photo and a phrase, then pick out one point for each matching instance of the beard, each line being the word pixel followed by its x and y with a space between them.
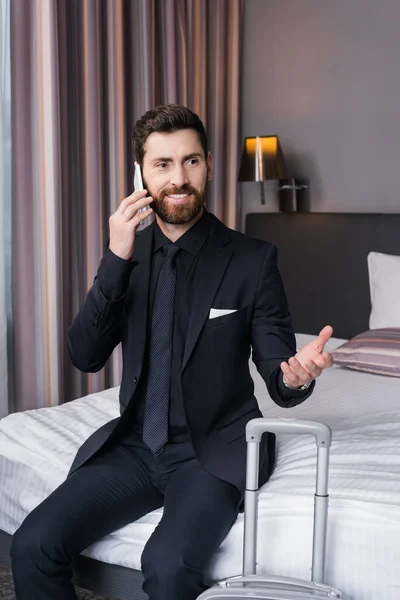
pixel 178 214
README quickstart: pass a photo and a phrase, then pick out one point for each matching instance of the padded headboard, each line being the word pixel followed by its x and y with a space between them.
pixel 322 259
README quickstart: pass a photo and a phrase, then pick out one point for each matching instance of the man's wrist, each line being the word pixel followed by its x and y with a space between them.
pixel 302 388
pixel 114 274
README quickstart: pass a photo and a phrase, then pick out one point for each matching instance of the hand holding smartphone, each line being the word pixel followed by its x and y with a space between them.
pixel 129 218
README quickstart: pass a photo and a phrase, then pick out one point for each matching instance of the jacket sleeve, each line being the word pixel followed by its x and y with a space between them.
pixel 97 328
pixel 272 335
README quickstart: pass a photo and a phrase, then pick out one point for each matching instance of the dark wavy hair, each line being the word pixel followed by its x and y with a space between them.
pixel 166 118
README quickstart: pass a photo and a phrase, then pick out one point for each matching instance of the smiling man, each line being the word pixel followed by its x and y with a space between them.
pixel 178 193
pixel 189 299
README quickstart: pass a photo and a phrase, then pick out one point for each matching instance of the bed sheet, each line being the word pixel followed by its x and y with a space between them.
pixel 363 550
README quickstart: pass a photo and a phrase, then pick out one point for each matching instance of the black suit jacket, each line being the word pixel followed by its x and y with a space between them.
pixel 235 272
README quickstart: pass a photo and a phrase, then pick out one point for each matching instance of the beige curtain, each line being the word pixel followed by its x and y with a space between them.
pixel 82 72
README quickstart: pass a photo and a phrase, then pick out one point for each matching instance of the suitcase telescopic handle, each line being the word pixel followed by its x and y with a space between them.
pixel 256 427
pixel 323 437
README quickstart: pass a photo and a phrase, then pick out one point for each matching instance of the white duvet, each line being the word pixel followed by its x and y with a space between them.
pixel 363 549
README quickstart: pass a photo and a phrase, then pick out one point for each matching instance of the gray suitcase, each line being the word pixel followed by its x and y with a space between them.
pixel 250 586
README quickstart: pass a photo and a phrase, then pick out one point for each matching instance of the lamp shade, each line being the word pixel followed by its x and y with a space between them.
pixel 262 159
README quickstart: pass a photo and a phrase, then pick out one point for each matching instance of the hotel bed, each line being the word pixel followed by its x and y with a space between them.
pixel 363 409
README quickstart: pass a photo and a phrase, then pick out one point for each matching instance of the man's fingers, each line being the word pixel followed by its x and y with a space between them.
pixel 313 369
pixel 138 217
pixel 129 200
pixel 323 361
pixel 291 378
pixel 133 211
pixel 295 375
pixel 324 335
pixel 328 360
pixel 298 369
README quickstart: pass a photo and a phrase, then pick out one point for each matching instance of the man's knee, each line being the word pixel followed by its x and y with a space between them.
pixel 159 561
pixel 166 565
pixel 32 543
pixel 24 551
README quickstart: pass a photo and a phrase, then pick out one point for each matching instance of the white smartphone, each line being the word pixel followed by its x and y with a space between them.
pixel 138 187
pixel 137 179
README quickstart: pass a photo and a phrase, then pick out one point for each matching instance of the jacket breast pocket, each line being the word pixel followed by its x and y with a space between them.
pixel 238 315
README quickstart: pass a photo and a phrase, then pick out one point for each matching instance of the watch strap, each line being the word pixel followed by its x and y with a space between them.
pixel 299 389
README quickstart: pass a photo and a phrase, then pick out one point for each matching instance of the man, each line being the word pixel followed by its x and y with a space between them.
pixel 188 298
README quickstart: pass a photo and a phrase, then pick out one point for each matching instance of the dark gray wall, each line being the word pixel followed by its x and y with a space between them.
pixel 325 77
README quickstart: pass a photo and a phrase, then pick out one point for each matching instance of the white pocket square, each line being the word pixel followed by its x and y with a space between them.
pixel 219 312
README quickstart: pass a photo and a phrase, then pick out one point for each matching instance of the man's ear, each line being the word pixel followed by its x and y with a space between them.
pixel 210 165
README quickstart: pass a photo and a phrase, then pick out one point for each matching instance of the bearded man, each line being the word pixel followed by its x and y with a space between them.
pixel 189 299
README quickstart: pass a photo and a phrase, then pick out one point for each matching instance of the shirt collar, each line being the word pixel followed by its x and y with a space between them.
pixel 191 241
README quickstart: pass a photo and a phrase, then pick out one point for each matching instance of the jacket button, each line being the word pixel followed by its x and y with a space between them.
pixel 135 380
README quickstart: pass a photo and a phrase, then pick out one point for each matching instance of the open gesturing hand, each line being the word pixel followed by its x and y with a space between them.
pixel 309 362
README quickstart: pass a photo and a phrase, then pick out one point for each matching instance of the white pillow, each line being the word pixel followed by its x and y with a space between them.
pixel 384 285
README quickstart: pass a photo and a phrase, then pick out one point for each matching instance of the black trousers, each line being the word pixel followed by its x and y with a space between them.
pixel 117 486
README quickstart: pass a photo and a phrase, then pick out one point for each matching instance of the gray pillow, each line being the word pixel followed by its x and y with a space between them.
pixel 374 351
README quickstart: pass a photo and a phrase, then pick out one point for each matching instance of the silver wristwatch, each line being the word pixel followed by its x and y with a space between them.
pixel 300 389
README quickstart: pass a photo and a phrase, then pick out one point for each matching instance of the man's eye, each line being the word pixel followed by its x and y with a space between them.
pixel 161 165
pixel 193 161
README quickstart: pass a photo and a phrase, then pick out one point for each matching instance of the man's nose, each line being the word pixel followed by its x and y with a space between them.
pixel 179 176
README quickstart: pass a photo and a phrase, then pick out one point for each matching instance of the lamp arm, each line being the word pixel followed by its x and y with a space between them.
pixel 262 192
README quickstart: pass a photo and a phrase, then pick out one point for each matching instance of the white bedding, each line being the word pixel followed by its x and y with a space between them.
pixel 363 550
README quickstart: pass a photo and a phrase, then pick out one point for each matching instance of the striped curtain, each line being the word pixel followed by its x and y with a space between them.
pixel 5 206
pixel 82 73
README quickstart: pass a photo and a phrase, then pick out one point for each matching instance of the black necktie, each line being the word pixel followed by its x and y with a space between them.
pixel 155 425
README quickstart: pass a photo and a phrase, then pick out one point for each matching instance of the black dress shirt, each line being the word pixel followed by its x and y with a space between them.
pixel 192 244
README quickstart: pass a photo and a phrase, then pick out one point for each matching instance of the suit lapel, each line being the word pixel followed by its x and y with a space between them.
pixel 140 282
pixel 210 272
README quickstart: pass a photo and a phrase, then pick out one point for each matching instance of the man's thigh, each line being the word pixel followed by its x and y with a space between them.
pixel 109 491
pixel 199 511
